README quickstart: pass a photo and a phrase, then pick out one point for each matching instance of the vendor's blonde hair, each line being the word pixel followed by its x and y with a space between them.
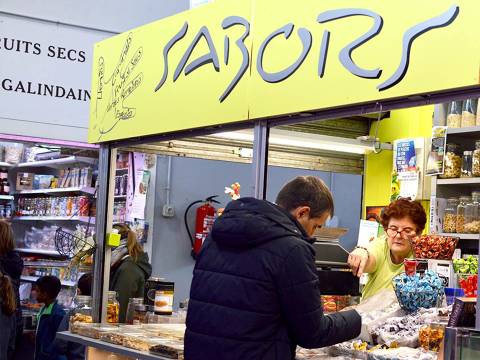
pixel 134 248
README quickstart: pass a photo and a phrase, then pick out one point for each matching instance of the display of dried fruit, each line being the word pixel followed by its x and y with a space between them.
pixel 434 247
pixel 450 223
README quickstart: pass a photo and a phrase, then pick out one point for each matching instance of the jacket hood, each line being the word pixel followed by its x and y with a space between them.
pixel 249 222
pixel 12 264
pixel 142 263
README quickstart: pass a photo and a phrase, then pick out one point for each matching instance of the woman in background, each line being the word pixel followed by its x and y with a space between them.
pixel 129 269
pixel 11 264
pixel 8 305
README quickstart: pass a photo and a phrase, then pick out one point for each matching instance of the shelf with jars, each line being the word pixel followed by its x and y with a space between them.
pixel 455 205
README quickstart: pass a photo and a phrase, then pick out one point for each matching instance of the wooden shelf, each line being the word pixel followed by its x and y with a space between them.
pixel 83 219
pixel 463 236
pixel 59 163
pixel 459 181
pixel 86 190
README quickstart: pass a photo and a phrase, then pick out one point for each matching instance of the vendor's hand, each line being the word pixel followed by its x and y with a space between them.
pixel 357 260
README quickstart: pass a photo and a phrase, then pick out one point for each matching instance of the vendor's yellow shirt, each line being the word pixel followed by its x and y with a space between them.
pixel 381 277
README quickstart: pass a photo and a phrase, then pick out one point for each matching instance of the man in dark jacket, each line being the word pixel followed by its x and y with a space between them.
pixel 255 292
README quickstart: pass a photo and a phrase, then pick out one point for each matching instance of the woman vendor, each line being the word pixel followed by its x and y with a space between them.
pixel 383 258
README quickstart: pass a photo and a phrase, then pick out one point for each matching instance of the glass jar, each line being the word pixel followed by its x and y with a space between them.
pixel 132 303
pixel 472 217
pixel 467 164
pixel 140 314
pixel 476 160
pixel 82 312
pixel 469 113
pixel 113 308
pixel 460 224
pixel 452 162
pixel 450 216
pixel 454 117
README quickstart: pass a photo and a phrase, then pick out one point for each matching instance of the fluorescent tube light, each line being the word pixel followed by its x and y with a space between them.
pixel 303 140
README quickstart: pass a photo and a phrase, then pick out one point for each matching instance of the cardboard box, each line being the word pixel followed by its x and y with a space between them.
pixel 25 181
pixel 444 269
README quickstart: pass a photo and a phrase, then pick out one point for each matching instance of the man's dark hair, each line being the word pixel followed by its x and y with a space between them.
pixel 50 285
pixel 306 191
pixel 85 284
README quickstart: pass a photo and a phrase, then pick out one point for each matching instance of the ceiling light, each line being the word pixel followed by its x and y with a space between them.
pixel 303 140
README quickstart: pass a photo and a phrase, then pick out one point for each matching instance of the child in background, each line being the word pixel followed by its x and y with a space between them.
pixel 8 305
pixel 71 350
pixel 48 319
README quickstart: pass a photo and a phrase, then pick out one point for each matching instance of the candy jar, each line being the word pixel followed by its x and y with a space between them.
pixel 460 225
pixel 113 308
pixel 469 113
pixel 467 164
pixel 472 220
pixel 83 309
pixel 454 117
pixel 453 162
pixel 476 160
pixel 450 216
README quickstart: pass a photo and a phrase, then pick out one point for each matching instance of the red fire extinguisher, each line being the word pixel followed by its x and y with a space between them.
pixel 204 218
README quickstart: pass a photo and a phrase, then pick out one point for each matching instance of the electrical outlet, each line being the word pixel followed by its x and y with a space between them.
pixel 168 211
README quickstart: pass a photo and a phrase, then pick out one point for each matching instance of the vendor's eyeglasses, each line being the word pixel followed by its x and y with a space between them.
pixel 393 232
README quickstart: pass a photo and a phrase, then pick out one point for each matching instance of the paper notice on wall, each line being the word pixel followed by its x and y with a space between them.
pixel 409 181
pixel 435 162
pixel 368 231
pixel 406 157
pixel 137 188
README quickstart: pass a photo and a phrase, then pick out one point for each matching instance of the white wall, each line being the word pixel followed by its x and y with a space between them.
pixel 49 27
pixel 107 15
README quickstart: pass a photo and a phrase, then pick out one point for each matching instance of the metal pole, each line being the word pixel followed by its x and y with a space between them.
pixel 260 159
pixel 98 290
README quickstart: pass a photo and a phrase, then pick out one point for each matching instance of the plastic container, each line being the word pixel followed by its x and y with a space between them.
pixel 13 152
pixel 454 117
pixel 476 160
pixel 469 113
pixel 453 162
pixel 467 164
pixel 83 310
pixel 132 303
pixel 472 215
pixel 450 216
pixel 460 225
pixel 140 314
pixel 431 336
pixel 452 293
pixel 113 308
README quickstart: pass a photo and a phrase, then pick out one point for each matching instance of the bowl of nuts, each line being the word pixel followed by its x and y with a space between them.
pixel 434 247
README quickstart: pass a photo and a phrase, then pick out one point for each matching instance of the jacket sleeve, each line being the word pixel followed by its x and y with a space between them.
pixel 302 307
pixel 61 345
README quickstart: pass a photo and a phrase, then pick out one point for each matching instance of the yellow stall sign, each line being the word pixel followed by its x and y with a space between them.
pixel 241 60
